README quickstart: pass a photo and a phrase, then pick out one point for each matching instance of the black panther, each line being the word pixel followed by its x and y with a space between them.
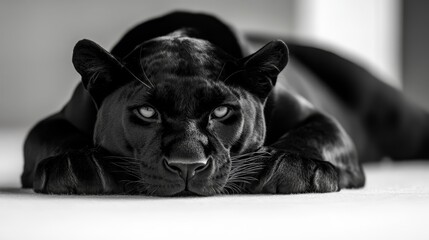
pixel 178 107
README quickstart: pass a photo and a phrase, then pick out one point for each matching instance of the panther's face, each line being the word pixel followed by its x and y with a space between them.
pixel 178 114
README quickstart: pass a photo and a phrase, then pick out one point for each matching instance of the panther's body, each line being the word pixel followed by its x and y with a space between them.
pixel 177 107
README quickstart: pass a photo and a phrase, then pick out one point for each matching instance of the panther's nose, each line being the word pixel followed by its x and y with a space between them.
pixel 185 167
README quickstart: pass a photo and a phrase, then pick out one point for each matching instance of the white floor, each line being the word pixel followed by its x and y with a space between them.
pixel 393 205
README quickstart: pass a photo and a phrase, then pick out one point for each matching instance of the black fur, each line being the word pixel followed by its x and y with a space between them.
pixel 184 66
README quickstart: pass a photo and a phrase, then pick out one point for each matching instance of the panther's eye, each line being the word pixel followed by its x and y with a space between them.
pixel 147 112
pixel 220 112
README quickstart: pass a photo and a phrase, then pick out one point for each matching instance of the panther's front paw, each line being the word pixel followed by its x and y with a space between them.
pixel 325 178
pixel 71 173
pixel 290 173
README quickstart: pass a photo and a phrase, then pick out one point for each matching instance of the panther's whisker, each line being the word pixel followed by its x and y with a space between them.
pixel 246 165
pixel 220 73
pixel 243 173
pixel 142 68
pixel 219 188
pixel 241 176
pixel 138 79
pixel 129 165
pixel 246 180
pixel 249 161
pixel 256 154
pixel 133 186
pixel 232 188
pixel 242 169
pixel 154 189
pixel 141 186
pixel 132 174
pixel 232 74
pixel 122 157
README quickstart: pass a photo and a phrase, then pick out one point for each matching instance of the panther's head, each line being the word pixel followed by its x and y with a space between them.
pixel 179 112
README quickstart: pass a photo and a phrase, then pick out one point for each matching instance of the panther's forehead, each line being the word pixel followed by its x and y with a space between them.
pixel 179 55
pixel 182 71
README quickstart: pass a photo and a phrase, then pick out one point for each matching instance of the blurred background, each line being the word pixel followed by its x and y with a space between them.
pixel 389 37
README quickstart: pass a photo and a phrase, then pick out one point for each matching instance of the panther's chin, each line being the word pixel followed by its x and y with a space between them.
pixel 186 193
pixel 181 191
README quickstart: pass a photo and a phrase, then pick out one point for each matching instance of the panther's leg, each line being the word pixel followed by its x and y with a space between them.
pixel 59 147
pixel 316 156
pixel 59 159
pixel 51 136
pixel 67 130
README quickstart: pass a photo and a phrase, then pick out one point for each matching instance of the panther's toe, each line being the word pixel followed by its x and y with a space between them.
pixel 325 178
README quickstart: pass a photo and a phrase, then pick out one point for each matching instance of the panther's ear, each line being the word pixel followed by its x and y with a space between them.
pixel 97 67
pixel 262 67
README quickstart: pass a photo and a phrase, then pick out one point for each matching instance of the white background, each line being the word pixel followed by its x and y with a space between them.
pixel 37 38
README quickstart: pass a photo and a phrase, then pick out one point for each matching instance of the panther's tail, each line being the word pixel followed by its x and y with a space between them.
pixel 398 127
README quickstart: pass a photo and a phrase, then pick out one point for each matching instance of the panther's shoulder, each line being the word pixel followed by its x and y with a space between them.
pixel 206 26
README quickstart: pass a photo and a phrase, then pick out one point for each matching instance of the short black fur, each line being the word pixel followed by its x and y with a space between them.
pixel 222 123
